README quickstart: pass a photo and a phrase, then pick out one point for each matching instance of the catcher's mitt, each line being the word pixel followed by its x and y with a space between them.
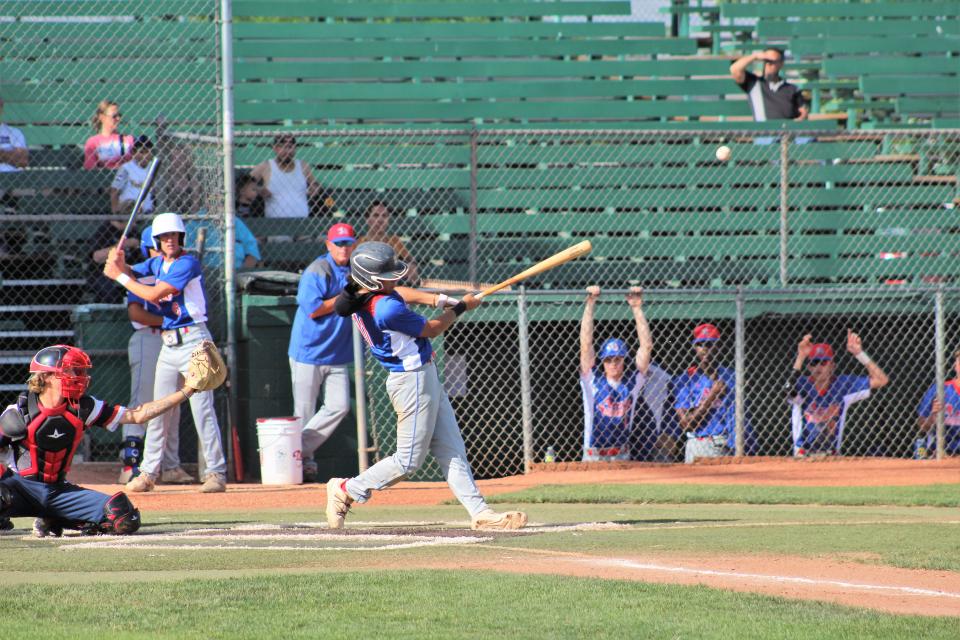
pixel 206 370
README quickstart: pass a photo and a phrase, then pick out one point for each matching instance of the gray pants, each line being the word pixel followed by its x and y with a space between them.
pixel 318 426
pixel 425 422
pixel 143 351
pixel 171 365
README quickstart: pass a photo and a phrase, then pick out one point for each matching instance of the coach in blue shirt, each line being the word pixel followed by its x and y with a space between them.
pixel 321 346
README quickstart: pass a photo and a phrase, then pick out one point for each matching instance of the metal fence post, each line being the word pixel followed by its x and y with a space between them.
pixel 739 364
pixel 472 264
pixel 940 341
pixel 784 206
pixel 360 383
pixel 229 233
pixel 525 392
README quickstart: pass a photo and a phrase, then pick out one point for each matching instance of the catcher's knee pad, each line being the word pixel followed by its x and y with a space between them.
pixel 119 515
pixel 132 451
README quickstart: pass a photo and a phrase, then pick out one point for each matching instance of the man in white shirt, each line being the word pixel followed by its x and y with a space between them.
pixel 130 178
pixel 288 184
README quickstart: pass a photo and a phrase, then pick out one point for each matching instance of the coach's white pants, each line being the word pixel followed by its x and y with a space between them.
pixel 318 426
pixel 425 423
pixel 171 365
pixel 143 351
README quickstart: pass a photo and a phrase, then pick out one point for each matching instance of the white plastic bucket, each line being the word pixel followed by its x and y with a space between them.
pixel 279 446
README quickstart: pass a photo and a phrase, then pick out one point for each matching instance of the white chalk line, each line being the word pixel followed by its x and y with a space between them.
pixel 631 564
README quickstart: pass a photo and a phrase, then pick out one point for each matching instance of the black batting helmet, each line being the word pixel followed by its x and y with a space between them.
pixel 374 262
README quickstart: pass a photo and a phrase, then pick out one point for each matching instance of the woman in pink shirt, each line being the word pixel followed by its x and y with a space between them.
pixel 107 149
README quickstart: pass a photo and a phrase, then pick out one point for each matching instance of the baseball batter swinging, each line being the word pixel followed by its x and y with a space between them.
pixel 400 340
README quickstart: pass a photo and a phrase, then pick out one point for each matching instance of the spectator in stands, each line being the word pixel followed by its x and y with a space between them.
pixel 177 188
pixel 949 408
pixel 14 156
pixel 770 96
pixel 820 401
pixel 706 402
pixel 622 408
pixel 288 185
pixel 130 177
pixel 320 346
pixel 246 250
pixel 249 203
pixel 107 149
pixel 378 229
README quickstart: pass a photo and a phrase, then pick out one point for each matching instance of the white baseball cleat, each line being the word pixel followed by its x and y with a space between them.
pixel 338 503
pixel 491 520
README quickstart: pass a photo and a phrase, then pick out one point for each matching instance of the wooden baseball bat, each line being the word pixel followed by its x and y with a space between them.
pixel 555 260
pixel 138 203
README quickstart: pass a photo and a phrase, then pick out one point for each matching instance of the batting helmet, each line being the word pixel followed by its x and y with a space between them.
pixel 56 360
pixel 374 262
pixel 147 242
pixel 167 223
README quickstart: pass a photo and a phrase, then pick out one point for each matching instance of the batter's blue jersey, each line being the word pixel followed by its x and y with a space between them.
pixel 818 417
pixel 692 387
pixel 951 415
pixel 143 276
pixel 392 331
pixel 325 340
pixel 189 305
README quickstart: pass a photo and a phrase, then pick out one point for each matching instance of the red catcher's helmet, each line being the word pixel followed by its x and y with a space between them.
pixel 56 360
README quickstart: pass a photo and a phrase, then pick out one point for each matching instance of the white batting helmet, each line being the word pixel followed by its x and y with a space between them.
pixel 167 223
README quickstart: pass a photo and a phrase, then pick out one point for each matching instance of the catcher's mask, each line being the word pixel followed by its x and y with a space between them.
pixel 372 263
pixel 57 360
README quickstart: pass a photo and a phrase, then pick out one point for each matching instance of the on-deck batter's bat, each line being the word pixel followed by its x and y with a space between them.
pixel 555 260
pixel 138 203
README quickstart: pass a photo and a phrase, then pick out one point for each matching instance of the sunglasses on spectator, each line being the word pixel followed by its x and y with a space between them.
pixel 343 243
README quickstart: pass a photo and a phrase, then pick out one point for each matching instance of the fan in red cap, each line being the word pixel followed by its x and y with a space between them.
pixel 821 400
pixel 706 404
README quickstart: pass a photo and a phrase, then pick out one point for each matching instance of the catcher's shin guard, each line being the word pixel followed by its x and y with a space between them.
pixel 6 499
pixel 119 515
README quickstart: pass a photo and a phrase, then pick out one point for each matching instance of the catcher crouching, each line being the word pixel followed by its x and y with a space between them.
pixel 46 425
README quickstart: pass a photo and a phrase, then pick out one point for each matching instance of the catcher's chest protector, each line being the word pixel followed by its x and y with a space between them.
pixel 53 436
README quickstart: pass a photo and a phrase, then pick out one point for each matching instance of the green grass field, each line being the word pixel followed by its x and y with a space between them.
pixel 176 579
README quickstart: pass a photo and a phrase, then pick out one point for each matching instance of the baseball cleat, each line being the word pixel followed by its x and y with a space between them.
pixel 46 528
pixel 128 474
pixel 142 483
pixel 338 503
pixel 490 520
pixel 214 483
pixel 176 476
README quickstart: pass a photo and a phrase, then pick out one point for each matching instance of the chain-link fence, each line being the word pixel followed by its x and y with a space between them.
pixel 91 91
pixel 820 234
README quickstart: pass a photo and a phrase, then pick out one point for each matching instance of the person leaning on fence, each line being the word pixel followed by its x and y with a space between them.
pixel 107 149
pixel 143 351
pixel 321 346
pixel 179 292
pixel 623 411
pixel 706 402
pixel 821 400
pixel 288 184
pixel 770 96
pixel 949 408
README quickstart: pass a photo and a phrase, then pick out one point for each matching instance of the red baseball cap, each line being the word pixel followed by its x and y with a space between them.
pixel 821 351
pixel 705 333
pixel 341 231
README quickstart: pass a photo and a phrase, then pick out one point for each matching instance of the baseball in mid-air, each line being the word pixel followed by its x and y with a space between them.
pixel 723 153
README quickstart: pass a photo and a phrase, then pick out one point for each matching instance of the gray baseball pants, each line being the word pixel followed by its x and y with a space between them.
pixel 143 351
pixel 171 365
pixel 425 423
pixel 318 426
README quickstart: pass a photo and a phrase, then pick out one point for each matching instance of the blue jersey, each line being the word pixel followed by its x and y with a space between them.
pixel 692 387
pixel 143 276
pixel 391 330
pixel 189 305
pixel 951 415
pixel 608 413
pixel 818 416
pixel 325 340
